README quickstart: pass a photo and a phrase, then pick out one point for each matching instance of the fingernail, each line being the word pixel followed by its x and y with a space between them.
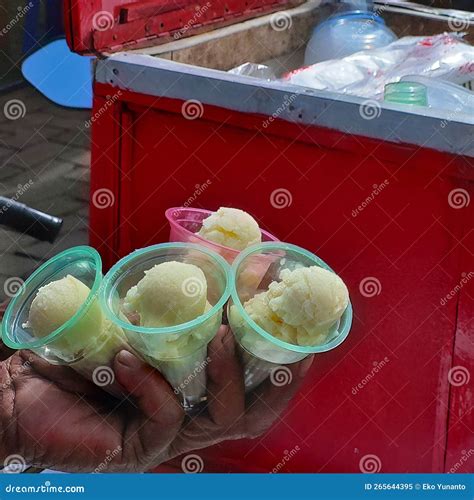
pixel 305 366
pixel 128 360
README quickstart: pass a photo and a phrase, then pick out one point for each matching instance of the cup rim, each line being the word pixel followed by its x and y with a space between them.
pixel 103 293
pixel 347 315
pixel 168 215
pixel 48 339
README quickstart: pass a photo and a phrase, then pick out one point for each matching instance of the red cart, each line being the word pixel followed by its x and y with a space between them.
pixel 386 198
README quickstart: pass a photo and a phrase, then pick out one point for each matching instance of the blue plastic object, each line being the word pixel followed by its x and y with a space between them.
pixel 346 33
pixel 61 75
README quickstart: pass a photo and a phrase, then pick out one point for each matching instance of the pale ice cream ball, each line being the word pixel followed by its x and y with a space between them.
pixel 308 297
pixel 302 307
pixel 170 294
pixel 232 228
pixel 55 304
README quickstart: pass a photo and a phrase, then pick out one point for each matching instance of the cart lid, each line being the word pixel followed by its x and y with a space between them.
pixel 105 26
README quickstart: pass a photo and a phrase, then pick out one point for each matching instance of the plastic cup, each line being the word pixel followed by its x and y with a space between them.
pixel 409 93
pixel 178 352
pixel 262 353
pixel 87 342
pixel 186 222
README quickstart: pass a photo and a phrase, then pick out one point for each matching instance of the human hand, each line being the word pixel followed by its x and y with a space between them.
pixel 230 414
pixel 53 418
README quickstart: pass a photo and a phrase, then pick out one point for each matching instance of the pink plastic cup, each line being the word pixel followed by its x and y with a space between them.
pixel 186 222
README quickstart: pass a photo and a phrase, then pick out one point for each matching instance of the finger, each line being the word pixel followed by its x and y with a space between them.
pixel 225 386
pixel 270 400
pixel 63 376
pixel 160 415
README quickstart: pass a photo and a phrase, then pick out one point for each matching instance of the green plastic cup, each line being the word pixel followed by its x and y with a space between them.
pixel 409 93
pixel 262 353
pixel 179 352
pixel 88 341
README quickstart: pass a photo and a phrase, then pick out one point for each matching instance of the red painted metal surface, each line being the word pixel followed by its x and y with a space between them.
pixel 98 26
pixel 409 241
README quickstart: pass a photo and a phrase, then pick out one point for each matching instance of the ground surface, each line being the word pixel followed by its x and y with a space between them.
pixel 44 162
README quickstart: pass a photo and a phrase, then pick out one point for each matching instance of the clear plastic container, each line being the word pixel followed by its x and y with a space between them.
pixel 262 352
pixel 186 222
pixel 88 342
pixel 178 352
pixel 346 33
pixel 442 94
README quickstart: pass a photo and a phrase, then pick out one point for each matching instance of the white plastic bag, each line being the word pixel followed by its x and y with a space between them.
pixel 366 73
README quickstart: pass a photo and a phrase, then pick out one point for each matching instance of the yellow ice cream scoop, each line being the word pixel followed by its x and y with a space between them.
pixel 92 335
pixel 56 303
pixel 171 293
pixel 232 228
pixel 302 306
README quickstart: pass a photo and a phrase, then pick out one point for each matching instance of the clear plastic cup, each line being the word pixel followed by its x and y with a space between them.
pixel 87 342
pixel 262 353
pixel 186 222
pixel 178 352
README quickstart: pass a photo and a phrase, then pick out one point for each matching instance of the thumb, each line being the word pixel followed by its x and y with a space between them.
pixel 159 415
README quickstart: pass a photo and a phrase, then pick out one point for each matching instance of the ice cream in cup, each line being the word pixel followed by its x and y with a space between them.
pixel 228 231
pixel 169 299
pixel 57 315
pixel 300 307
